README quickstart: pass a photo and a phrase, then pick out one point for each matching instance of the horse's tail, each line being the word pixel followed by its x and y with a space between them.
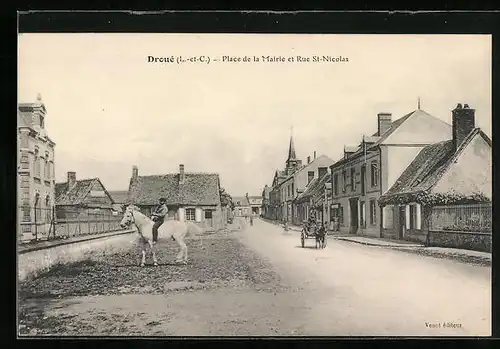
pixel 195 230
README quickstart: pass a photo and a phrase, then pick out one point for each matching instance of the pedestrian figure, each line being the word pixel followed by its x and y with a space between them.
pixel 251 220
pixel 158 217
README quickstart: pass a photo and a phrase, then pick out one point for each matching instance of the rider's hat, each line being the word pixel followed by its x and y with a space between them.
pixel 163 200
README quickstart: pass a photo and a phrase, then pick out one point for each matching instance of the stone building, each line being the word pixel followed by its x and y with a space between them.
pixel 35 171
pixel 242 206
pixel 191 197
pixel 265 212
pixel 370 168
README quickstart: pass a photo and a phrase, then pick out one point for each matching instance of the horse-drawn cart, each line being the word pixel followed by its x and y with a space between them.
pixel 312 231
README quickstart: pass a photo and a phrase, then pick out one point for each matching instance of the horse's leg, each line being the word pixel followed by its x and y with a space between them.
pixel 143 261
pixel 153 250
pixel 182 255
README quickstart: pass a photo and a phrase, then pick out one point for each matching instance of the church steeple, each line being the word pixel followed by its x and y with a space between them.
pixel 292 163
pixel 291 148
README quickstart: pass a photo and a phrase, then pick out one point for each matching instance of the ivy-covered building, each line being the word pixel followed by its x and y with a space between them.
pixel 445 174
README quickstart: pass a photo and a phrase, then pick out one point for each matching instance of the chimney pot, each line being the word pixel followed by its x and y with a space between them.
pixel 315 155
pixel 181 173
pixel 463 122
pixel 384 122
pixel 71 179
pixel 308 159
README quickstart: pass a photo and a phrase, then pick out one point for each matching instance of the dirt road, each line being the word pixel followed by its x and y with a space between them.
pixel 260 282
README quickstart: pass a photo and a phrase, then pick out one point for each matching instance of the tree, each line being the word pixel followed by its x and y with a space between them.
pixel 226 199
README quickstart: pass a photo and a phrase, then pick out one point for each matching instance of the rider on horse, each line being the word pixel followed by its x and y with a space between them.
pixel 158 217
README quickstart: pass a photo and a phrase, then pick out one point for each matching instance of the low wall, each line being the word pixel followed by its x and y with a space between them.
pixel 464 240
pixel 40 258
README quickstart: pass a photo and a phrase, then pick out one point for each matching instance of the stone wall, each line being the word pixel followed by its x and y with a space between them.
pixel 35 260
pixel 463 240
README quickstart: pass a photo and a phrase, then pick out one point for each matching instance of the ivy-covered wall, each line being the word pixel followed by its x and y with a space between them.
pixel 467 241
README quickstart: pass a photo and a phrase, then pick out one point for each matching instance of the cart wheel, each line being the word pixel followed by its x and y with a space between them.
pixel 302 239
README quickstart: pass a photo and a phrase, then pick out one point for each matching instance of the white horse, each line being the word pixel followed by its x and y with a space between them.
pixel 169 229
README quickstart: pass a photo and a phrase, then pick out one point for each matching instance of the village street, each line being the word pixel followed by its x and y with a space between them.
pixel 259 281
pixel 368 290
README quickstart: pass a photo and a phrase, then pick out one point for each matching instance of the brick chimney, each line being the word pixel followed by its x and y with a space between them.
pixel 181 174
pixel 384 122
pixel 463 122
pixel 71 179
pixel 308 160
pixel 135 172
pixel 315 155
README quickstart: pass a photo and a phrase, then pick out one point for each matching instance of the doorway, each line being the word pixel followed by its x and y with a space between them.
pixel 353 204
pixel 401 222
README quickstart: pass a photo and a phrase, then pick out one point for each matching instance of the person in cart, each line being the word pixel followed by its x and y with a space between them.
pixel 311 224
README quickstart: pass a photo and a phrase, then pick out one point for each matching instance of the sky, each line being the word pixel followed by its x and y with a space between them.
pixel 109 109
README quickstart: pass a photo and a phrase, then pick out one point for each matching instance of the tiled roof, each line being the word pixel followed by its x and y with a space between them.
pixel 197 189
pixel 76 193
pixel 428 167
pixel 119 196
pixel 240 201
pixel 422 172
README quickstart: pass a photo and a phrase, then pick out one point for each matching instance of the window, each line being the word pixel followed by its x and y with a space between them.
pixel 208 214
pixel 190 214
pixel 336 184
pixel 373 212
pixel 310 176
pixel 322 171
pixel 24 161
pixel 344 181
pixel 46 169
pixel 25 182
pixel 26 214
pixel 374 174
pixel 48 209
pixel 362 214
pixel 38 207
pixel 353 179
pixel 293 193
pixel 37 165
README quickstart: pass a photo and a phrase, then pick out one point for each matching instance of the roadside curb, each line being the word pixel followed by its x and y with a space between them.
pixel 378 244
pixel 423 251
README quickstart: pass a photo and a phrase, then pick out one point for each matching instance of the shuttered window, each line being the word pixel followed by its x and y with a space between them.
pixel 190 214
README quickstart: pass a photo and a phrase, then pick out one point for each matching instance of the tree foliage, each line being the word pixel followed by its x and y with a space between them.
pixel 226 199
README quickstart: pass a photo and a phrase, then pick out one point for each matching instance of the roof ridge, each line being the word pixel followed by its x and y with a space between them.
pixel 79 180
pixel 177 173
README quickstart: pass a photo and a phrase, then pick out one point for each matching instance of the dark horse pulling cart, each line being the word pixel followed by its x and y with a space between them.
pixel 312 231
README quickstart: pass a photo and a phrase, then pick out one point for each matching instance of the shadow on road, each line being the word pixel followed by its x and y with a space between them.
pixel 309 247
pixel 150 265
